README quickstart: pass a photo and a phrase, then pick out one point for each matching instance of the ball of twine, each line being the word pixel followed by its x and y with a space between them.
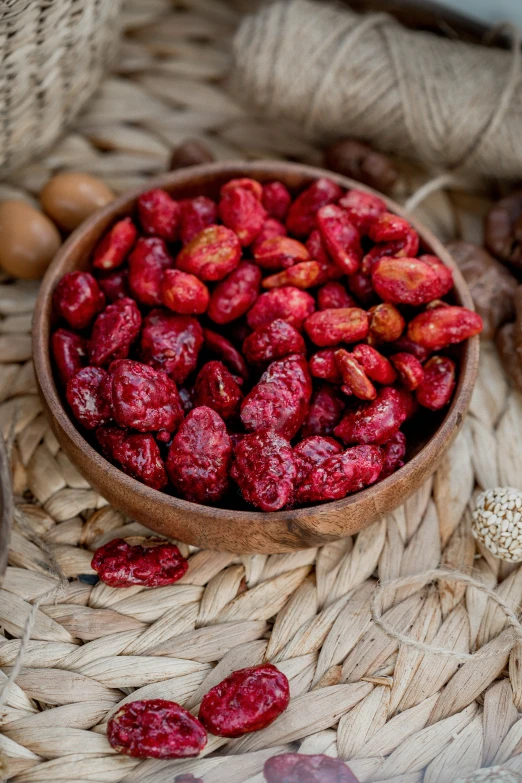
pixel 450 105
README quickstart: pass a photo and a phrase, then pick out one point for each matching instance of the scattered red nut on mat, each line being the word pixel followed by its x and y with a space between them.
pixel 216 387
pixel 340 237
pixel 313 451
pixel 69 352
pixel 288 303
pixel 279 252
pixel 298 768
pixel 281 398
pixel 394 452
pixel 376 421
pixel 78 299
pixel 326 408
pixel 248 700
pixel 211 255
pixel 436 389
pixel 159 214
pixel 171 343
pixel 302 213
pixel 443 326
pixel 409 370
pixel 341 474
pixel 84 395
pixel 142 398
pixel 195 215
pixel 273 341
pixel 156 728
pixel 263 468
pixel 199 457
pixel 184 293
pixel 342 325
pixel 155 563
pixel 235 295
pixel 147 263
pixel 276 199
pixel 114 248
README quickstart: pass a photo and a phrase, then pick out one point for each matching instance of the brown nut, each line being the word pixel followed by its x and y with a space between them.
pixel 358 160
pixel 490 283
pixel 28 240
pixel 69 198
pixel 503 229
pixel 190 152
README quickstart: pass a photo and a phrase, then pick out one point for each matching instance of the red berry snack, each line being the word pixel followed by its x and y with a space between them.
pixel 157 564
pixel 248 700
pixel 263 349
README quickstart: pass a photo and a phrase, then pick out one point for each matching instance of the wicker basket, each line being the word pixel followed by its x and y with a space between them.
pixel 53 54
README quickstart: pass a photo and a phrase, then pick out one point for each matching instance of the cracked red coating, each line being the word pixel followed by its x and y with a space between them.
pixel 84 395
pixel 340 325
pixel 443 326
pixel 216 387
pixel 355 380
pixel 436 388
pixel 288 303
pixel 273 341
pixel 279 252
pixel 147 263
pixel 340 237
pixel 341 474
pixel 264 470
pixel 78 299
pixel 323 365
pixel 114 331
pixel 313 451
pixel 235 295
pixel 195 215
pixel 241 210
pixel 159 214
pixel 302 213
pixel 116 245
pixel 409 369
pixel 156 563
pixel 362 208
pixel 374 364
pixel 325 412
pixel 171 343
pixel 376 421
pixel 211 255
pixel 69 352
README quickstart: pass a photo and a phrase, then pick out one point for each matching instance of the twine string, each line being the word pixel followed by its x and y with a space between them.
pixel 434 575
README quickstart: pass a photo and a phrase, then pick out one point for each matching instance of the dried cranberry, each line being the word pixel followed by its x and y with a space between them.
pixel 279 252
pixel 155 564
pixel 212 254
pixel 313 451
pixel 281 398
pixel 334 295
pixel 184 293
pixel 199 457
pixel 241 210
pixel 301 215
pixel 295 768
pixel 147 263
pixel 323 365
pixel 341 474
pixel 220 346
pixel 156 728
pixel 394 452
pixel 85 398
pixel 248 700
pixel 340 238
pixel 115 246
pixel 159 214
pixel 114 331
pixel 341 325
pixel 195 215
pixel 115 285
pixel 376 421
pixel 263 468
pixel 235 295
pixel 274 341
pixel 288 303
pixel 70 353
pixel 171 343
pixel 326 409
pixel 142 398
pixel 276 199
pixel 215 387
pixel 78 299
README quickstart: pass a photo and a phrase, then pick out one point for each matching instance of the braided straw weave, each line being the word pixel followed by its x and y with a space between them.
pixel 53 54
pixel 396 713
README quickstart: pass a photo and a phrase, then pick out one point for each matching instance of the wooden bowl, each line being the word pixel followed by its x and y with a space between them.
pixel 218 528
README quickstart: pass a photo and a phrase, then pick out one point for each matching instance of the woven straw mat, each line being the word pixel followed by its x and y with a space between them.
pixel 395 714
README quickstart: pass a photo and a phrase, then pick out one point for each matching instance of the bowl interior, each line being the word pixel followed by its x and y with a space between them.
pixel 428 435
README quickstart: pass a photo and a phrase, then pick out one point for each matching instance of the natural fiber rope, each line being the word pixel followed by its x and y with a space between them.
pixel 449 104
pixel 420 580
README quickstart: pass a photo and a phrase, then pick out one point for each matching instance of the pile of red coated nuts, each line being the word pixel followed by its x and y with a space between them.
pixel 260 349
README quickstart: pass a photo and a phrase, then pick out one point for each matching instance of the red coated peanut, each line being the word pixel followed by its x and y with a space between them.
pixel 171 343
pixel 436 389
pixel 274 341
pixel 147 263
pixel 326 408
pixel 212 254
pixel 394 452
pixel 155 564
pixel 361 287
pixel 235 295
pixel 313 451
pixel 241 210
pixel 298 768
pixel 436 329
pixel 276 199
pixel 159 214
pixel 388 227
pixel 114 331
pixel 443 272
pixel 362 208
pixel 376 421
pixel 334 295
pixel 85 398
pixel 340 238
pixel 386 323
pixel 342 325
pixel 288 303
pixel 405 345
pixel 199 457
pixel 247 183
pixel 184 293
pixel 304 275
pixel 409 369
pixel 139 456
pixel 155 728
pixel 195 215
pixel 263 468
pixel 405 281
pixel 115 246
pixel 279 252
pixel 78 299
pixel 323 365
pixel 220 346
pixel 69 352
pixel 271 228
pixel 216 387
pixel 341 474
pixel 374 364
pixel 355 380
pixel 301 215
pixel 115 285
